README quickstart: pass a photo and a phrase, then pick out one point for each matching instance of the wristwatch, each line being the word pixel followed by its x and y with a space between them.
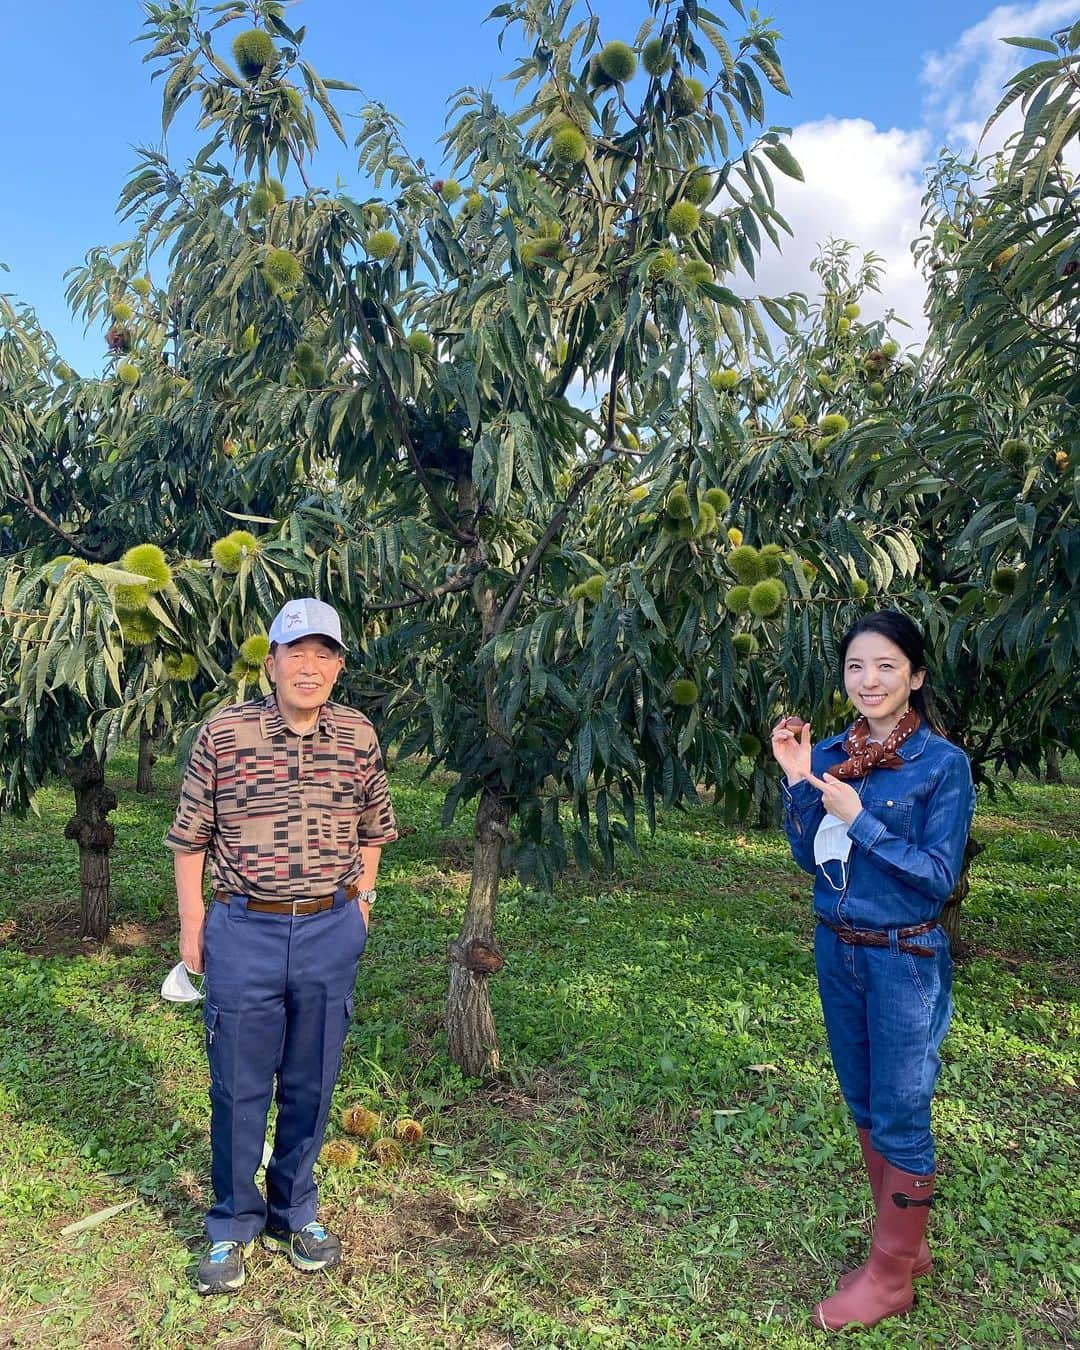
pixel 366 897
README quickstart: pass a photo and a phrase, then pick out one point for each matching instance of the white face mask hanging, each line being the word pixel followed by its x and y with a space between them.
pixel 832 843
pixel 177 986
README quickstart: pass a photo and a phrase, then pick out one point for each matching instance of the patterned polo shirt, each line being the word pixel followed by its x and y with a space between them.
pixel 283 816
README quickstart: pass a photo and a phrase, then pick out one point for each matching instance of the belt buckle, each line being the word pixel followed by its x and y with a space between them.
pixel 295 911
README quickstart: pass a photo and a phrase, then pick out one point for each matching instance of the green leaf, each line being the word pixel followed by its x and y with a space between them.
pixel 785 161
pixel 504 471
pixel 1033 43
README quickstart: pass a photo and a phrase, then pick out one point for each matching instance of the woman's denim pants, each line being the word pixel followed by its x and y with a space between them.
pixel 886 1014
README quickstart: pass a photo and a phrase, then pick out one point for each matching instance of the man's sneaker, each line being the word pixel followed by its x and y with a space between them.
pixel 221 1271
pixel 312 1248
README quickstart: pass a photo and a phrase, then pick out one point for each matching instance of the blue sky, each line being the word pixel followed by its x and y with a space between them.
pixel 875 90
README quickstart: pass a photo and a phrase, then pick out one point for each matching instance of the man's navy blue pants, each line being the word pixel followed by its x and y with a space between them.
pixel 279 998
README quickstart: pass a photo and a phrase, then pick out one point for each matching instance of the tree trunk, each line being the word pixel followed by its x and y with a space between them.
pixel 766 808
pixel 1053 765
pixel 473 956
pixel 144 779
pixel 470 1026
pixel 950 915
pixel 90 828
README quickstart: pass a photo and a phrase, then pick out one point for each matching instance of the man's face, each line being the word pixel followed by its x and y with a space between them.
pixel 303 673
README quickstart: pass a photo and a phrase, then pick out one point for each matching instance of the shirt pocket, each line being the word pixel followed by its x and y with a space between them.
pixel 263 783
pixel 332 793
pixel 893 812
pixel 330 798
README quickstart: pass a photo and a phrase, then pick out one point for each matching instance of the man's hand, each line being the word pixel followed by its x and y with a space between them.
pixel 190 908
pixel 191 947
pixel 365 880
pixel 838 798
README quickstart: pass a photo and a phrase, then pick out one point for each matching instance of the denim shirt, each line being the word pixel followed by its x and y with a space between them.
pixel 907 841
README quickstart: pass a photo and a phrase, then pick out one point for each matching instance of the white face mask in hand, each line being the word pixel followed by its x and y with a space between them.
pixel 832 843
pixel 177 986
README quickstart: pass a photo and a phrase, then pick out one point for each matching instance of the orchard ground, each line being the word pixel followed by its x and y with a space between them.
pixel 665 1160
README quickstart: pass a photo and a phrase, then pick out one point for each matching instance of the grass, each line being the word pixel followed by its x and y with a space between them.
pixel 664 1162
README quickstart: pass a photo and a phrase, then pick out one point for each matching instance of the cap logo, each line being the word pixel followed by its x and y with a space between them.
pixel 300 618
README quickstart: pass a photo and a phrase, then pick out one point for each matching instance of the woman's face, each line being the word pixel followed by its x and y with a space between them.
pixel 879 680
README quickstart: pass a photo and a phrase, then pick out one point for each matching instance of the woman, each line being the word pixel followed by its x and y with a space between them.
pixel 880 815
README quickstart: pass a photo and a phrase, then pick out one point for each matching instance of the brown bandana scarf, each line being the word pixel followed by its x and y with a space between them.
pixel 863 754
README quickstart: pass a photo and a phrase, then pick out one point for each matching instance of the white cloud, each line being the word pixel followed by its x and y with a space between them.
pixel 865 184
pixel 861 184
pixel 965 83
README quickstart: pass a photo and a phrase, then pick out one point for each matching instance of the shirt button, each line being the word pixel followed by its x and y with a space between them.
pixel 890 803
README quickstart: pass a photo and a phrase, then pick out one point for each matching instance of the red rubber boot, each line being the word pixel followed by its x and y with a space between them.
pixel 875 1164
pixel 882 1287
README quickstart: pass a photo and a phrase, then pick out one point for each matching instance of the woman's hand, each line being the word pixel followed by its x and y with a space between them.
pixel 791 748
pixel 838 798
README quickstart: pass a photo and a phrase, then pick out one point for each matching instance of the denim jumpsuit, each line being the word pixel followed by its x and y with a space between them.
pixel 887 1011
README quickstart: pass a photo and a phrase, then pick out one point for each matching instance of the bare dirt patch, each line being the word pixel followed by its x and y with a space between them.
pixel 420 1227
pixel 57 934
pixel 1062 824
pixel 456 854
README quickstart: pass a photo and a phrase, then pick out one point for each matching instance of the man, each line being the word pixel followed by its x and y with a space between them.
pixel 288 797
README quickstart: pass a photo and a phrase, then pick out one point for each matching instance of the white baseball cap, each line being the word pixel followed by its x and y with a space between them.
pixel 306 618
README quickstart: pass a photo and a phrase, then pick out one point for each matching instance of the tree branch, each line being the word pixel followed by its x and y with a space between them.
pixel 464 537
pixel 91 555
pixel 554 526
pixel 609 448
pixel 980 753
pixel 462 582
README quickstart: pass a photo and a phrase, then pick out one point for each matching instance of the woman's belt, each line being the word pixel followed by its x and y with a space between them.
pixel 875 937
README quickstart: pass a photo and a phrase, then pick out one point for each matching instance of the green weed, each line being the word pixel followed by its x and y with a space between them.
pixel 665 1160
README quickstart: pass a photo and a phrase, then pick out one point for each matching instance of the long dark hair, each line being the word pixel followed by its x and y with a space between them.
pixel 903 633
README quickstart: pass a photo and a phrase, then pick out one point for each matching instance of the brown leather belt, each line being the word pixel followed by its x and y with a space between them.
pixel 873 937
pixel 312 906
